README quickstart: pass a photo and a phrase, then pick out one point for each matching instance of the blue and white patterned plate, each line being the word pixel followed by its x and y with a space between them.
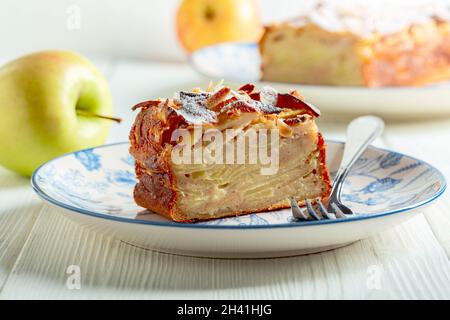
pixel 240 62
pixel 95 187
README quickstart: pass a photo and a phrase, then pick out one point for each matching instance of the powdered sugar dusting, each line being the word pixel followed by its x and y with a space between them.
pixel 373 17
pixel 193 108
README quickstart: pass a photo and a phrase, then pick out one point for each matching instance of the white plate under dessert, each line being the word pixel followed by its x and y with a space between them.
pixel 240 62
pixel 94 187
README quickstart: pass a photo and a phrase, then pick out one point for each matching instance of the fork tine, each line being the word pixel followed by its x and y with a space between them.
pixel 324 211
pixel 297 212
pixel 338 211
pixel 310 209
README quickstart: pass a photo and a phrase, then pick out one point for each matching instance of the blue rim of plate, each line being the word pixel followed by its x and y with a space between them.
pixel 358 217
pixel 254 45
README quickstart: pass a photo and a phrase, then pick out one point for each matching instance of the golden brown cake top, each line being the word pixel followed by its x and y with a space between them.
pixel 369 18
pixel 222 103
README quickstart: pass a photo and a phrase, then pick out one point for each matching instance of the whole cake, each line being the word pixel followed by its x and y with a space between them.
pixel 223 152
pixel 372 44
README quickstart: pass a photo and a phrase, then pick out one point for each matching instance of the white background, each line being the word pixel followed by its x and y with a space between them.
pixel 143 29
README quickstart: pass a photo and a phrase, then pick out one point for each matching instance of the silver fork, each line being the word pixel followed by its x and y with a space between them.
pixel 361 132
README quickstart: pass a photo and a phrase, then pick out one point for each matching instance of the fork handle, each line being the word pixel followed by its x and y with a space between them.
pixel 361 132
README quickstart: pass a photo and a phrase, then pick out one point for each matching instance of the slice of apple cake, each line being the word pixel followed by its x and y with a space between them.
pixel 369 44
pixel 224 152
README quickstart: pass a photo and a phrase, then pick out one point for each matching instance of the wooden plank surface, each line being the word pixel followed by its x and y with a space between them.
pixel 19 207
pixel 38 244
pixel 406 262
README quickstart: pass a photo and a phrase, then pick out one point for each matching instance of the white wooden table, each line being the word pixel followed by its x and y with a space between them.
pixel 38 244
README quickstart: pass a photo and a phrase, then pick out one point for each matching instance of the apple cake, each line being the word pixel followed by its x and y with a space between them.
pixel 360 45
pixel 221 152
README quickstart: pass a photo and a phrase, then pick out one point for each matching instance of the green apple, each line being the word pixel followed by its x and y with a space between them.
pixel 51 102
